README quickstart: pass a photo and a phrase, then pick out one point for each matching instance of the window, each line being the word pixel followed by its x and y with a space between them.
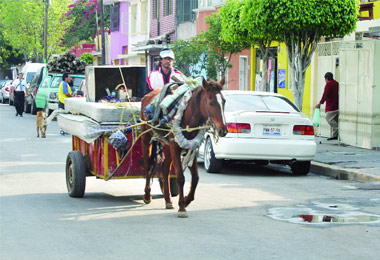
pixel 185 10
pixel 144 17
pixel 168 7
pixel 115 9
pixel 156 9
pixel 134 19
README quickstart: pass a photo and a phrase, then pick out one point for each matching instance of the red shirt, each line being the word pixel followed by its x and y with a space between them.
pixel 331 96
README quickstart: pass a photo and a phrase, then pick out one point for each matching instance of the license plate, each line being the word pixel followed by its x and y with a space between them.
pixel 271 130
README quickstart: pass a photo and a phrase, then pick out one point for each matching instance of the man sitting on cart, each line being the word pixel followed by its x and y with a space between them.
pixel 158 78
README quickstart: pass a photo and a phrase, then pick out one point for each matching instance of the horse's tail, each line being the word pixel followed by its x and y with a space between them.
pixel 153 158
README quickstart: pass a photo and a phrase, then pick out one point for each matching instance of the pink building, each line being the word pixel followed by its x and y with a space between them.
pixel 119 29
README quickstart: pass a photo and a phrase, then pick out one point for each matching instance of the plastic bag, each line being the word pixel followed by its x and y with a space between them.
pixel 316 117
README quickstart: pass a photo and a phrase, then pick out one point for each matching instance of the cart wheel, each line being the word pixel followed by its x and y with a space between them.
pixel 173 186
pixel 75 174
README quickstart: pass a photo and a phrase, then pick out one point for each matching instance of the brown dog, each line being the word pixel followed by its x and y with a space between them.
pixel 41 124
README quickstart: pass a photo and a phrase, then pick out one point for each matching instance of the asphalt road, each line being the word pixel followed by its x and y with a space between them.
pixel 246 212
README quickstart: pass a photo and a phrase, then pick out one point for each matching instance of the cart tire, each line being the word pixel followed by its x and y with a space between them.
pixel 75 174
pixel 173 186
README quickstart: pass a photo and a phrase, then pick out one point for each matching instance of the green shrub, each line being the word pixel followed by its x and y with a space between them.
pixel 88 58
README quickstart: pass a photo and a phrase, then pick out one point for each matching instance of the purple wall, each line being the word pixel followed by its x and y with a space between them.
pixel 119 39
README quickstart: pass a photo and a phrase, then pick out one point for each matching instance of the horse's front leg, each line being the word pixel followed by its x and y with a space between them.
pixel 176 159
pixel 147 165
pixel 165 177
pixel 194 182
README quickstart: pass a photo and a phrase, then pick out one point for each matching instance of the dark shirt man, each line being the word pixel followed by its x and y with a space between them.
pixel 331 97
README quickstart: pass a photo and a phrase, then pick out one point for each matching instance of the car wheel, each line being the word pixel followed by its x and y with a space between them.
pixel 27 107
pixel 300 167
pixel 211 164
pixel 173 186
pixel 75 174
pixel 33 108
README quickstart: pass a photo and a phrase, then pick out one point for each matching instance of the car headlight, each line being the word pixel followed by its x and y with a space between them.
pixel 53 95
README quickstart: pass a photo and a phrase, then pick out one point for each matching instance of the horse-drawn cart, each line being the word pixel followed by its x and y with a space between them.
pixel 105 136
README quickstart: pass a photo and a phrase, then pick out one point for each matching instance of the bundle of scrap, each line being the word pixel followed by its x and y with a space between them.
pixel 66 63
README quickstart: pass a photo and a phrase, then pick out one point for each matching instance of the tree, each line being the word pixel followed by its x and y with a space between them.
pixel 218 48
pixel 83 26
pixel 8 55
pixel 22 23
pixel 301 24
pixel 191 56
pixel 259 31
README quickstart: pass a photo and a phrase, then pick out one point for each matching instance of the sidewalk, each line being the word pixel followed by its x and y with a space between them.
pixel 346 162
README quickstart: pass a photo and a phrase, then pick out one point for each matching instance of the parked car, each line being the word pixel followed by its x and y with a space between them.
pixel 263 127
pixel 30 99
pixel 5 89
pixel 48 93
pixel 29 70
pixel 11 95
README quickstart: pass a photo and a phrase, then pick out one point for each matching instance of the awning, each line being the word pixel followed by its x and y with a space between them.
pixel 150 47
pixel 127 56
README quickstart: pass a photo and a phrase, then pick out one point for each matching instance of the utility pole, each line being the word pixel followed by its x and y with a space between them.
pixel 46 28
pixel 102 32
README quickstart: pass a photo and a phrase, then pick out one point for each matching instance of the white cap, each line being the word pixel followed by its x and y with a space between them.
pixel 167 53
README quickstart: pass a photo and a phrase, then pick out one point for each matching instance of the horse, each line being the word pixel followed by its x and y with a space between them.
pixel 205 104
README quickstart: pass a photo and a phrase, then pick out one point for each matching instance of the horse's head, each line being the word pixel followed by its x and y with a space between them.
pixel 215 104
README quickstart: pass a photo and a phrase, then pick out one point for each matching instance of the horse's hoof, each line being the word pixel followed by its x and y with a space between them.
pixel 182 214
pixel 169 205
pixel 147 201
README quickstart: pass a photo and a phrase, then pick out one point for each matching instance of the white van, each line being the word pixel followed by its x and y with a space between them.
pixel 29 70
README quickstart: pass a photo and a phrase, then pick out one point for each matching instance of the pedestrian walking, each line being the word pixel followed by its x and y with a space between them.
pixel 19 86
pixel 331 97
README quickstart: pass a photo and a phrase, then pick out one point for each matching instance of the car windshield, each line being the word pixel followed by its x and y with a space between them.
pixel 239 102
pixel 29 76
pixel 56 81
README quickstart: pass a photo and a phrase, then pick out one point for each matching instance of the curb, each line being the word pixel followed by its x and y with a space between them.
pixel 341 173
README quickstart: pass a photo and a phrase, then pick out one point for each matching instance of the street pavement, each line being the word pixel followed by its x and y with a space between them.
pixel 345 162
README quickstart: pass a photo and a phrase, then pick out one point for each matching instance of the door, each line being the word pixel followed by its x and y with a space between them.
pixel 243 73
pixel 41 97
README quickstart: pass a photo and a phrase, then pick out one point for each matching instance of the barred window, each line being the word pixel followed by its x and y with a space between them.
pixel 168 7
pixel 156 9
pixel 115 15
pixel 185 11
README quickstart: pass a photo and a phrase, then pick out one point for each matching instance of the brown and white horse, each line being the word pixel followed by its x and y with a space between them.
pixel 206 103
